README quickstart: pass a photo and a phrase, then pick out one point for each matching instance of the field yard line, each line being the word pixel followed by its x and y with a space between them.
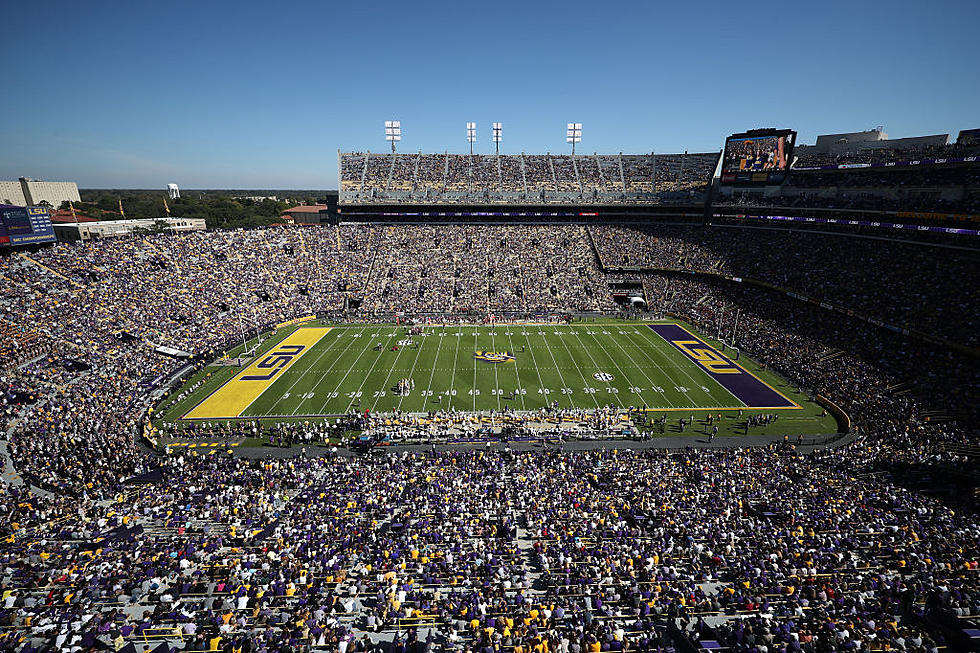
pixel 612 358
pixel 688 374
pixel 384 386
pixel 667 376
pixel 435 361
pixel 538 370
pixel 349 370
pixel 452 381
pixel 496 377
pixel 517 369
pixel 587 384
pixel 367 374
pixel 474 367
pixel 305 371
pixel 642 370
pixel 411 374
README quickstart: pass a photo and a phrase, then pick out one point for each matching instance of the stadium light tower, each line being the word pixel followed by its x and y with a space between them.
pixel 498 129
pixel 393 132
pixel 573 134
pixel 471 135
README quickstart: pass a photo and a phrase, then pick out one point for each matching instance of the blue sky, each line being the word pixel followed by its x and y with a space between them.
pixel 262 95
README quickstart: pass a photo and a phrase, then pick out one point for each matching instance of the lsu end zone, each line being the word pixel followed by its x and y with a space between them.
pixel 663 370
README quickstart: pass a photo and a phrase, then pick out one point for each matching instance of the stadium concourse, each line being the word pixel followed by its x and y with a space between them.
pixel 868 545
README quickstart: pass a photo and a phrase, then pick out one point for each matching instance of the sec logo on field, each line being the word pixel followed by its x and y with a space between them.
pixel 605 377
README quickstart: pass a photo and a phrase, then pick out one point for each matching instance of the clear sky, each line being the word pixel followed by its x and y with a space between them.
pixel 262 94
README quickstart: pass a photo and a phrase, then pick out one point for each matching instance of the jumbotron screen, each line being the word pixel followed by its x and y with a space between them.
pixel 758 157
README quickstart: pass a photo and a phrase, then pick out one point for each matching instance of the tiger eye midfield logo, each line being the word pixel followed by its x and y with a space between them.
pixel 494 356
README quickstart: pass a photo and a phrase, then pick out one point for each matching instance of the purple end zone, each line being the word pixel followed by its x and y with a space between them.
pixel 747 388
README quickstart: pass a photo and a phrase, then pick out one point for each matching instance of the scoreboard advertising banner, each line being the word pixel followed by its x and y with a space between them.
pixel 25 225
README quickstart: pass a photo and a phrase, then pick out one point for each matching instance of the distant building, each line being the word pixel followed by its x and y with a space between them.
pixel 873 139
pixel 112 228
pixel 11 192
pixel 850 141
pixel 315 213
pixel 173 191
pixel 59 216
pixel 34 191
pixel 312 214
pixel 968 137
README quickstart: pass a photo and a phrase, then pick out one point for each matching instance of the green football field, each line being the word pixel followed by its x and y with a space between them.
pixel 479 368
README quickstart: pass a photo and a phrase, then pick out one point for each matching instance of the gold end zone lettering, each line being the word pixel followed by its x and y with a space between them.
pixel 709 359
pixel 232 398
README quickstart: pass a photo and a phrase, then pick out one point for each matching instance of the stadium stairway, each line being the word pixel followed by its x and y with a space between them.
pixel 10 475
pixel 49 270
pixel 162 253
pixel 9 281
pixel 829 355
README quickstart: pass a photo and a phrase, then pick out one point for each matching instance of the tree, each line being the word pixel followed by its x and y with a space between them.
pixel 221 210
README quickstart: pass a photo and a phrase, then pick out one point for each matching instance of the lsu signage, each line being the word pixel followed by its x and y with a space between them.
pixel 272 364
pixel 744 386
pixel 232 398
pixel 494 356
pixel 706 357
pixel 697 350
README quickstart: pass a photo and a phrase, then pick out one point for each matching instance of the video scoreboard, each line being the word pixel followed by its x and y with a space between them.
pixel 760 156
pixel 25 225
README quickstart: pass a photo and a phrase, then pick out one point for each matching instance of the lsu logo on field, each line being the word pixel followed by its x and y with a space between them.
pixel 494 356
pixel 709 359
pixel 238 393
pixel 275 362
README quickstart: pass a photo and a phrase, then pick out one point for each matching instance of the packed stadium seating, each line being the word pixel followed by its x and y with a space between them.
pixel 885 154
pixel 944 179
pixel 541 551
pixel 868 275
pixel 372 178
pixel 472 269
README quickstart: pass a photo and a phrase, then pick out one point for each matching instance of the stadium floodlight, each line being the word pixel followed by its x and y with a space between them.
pixel 498 129
pixel 393 132
pixel 573 134
pixel 471 135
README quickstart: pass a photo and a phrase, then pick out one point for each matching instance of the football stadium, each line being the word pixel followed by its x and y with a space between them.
pixel 688 385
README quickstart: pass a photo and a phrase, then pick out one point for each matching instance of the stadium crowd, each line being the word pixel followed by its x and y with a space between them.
pixel 876 155
pixel 468 268
pixel 901 283
pixel 607 549
pixel 559 551
pixel 531 178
